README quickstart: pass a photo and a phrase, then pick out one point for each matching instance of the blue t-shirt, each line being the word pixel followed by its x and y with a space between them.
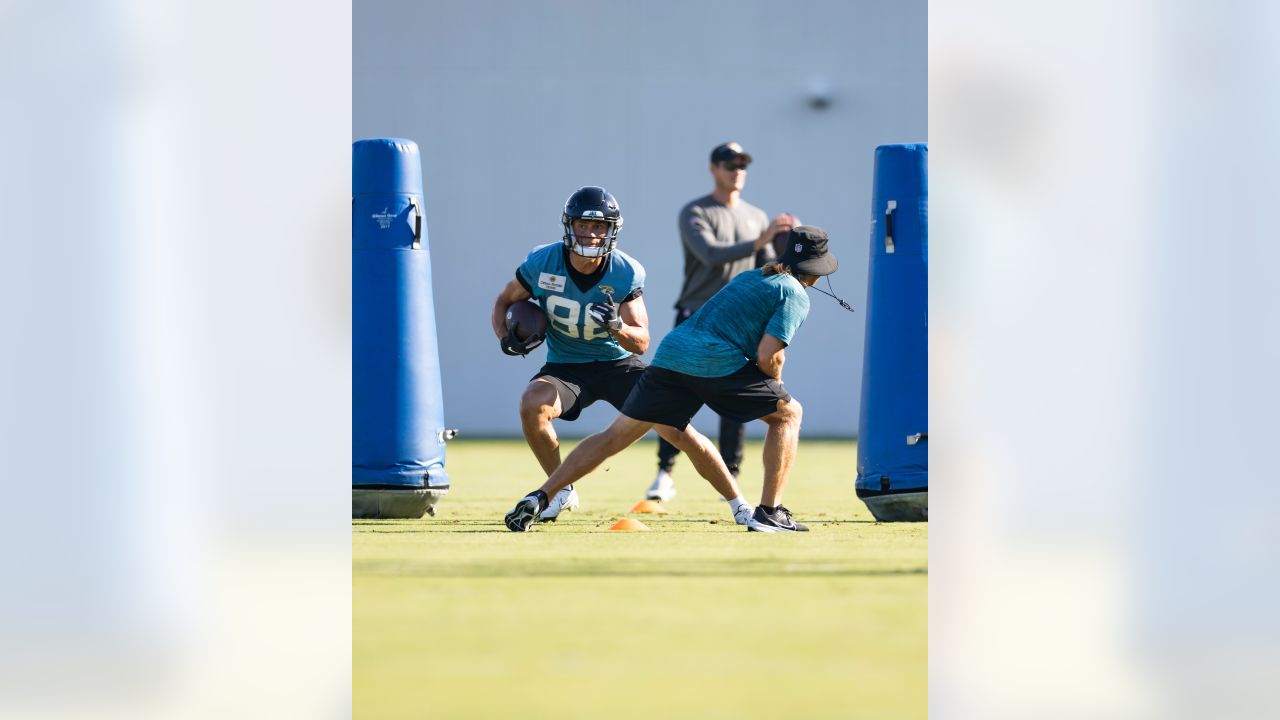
pixel 725 333
pixel 572 336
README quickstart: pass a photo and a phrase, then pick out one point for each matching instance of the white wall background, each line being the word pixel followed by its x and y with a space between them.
pixel 517 104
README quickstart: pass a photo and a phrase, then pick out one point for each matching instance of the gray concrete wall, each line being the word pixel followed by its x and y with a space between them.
pixel 516 104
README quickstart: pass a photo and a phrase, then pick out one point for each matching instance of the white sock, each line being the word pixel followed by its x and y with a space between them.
pixel 736 503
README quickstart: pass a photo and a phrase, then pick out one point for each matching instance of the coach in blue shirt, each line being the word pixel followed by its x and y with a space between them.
pixel 728 355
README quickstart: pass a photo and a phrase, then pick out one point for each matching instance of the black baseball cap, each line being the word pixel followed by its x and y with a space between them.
pixel 807 252
pixel 729 152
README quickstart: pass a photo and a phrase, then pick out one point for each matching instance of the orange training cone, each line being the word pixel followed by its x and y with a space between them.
pixel 649 506
pixel 629 524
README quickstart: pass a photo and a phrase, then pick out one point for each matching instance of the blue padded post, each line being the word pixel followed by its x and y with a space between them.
pixel 893 448
pixel 398 431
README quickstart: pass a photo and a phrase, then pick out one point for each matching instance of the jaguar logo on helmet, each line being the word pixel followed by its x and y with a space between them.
pixel 591 203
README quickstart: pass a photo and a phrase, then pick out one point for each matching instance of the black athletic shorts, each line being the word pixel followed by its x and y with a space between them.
pixel 580 384
pixel 670 398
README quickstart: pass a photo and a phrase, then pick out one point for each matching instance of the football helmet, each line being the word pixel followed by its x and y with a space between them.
pixel 591 203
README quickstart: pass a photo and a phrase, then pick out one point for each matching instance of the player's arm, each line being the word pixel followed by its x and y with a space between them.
pixel 697 236
pixel 513 293
pixel 633 336
pixel 770 355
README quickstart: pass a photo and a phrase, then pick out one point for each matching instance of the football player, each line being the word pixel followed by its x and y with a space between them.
pixel 729 356
pixel 591 293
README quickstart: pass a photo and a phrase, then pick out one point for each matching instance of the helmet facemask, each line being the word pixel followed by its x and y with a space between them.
pixel 603 249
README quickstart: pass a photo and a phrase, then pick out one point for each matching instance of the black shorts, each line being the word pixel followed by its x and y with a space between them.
pixel 580 384
pixel 670 398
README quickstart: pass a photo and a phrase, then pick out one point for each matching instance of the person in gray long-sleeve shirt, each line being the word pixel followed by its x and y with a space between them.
pixel 722 235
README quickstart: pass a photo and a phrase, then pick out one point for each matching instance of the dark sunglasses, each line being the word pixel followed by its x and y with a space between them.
pixel 733 166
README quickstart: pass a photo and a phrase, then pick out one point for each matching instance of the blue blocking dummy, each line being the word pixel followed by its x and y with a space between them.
pixel 893 448
pixel 397 412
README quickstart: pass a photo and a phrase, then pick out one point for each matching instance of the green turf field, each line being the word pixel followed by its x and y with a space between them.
pixel 456 617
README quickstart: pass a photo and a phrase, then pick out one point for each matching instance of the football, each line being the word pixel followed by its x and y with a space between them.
pixel 527 319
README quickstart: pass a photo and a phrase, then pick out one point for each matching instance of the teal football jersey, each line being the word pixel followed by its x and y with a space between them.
pixel 725 332
pixel 572 336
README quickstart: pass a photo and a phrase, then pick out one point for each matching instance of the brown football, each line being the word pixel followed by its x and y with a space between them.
pixel 527 319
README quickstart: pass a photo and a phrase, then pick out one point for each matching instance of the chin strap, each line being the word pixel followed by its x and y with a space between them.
pixel 831 294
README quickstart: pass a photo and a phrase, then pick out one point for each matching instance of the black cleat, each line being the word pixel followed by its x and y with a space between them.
pixel 523 514
pixel 777 521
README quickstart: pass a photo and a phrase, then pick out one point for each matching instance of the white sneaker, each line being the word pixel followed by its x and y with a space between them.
pixel 662 489
pixel 743 515
pixel 566 499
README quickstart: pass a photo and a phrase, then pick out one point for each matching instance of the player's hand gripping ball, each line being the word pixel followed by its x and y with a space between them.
pixel 605 315
pixel 526 328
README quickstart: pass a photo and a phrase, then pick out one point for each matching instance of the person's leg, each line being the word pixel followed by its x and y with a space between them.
pixel 732 435
pixel 704 457
pixel 594 450
pixel 539 405
pixel 663 487
pixel 780 443
pixel 658 395
pixel 667 454
pixel 750 394
pixel 584 458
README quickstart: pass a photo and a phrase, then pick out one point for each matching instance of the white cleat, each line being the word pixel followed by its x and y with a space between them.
pixel 662 489
pixel 566 499
pixel 743 515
